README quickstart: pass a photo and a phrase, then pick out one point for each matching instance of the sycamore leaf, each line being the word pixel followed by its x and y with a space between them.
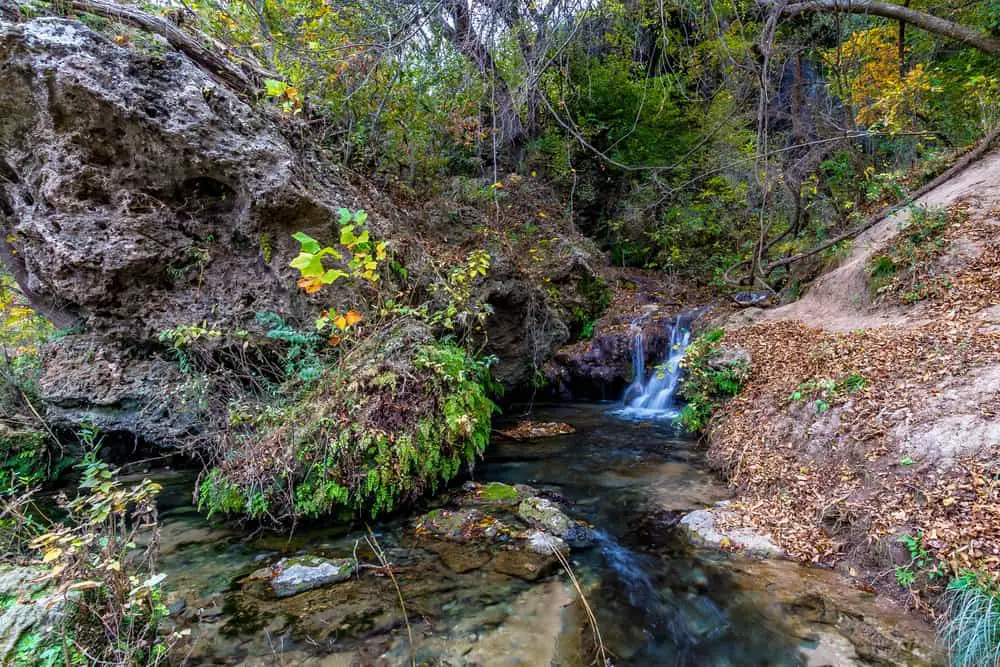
pixel 331 276
pixel 51 555
pixel 353 317
pixel 309 244
pixel 310 266
pixel 340 322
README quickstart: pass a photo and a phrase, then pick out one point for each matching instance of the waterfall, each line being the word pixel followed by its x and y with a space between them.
pixel 654 396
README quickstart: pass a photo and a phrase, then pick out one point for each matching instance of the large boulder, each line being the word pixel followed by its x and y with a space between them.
pixel 139 195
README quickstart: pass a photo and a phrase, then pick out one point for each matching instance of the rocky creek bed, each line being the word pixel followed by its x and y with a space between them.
pixel 477 571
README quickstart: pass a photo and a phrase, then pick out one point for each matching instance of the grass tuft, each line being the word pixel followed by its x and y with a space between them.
pixel 971 628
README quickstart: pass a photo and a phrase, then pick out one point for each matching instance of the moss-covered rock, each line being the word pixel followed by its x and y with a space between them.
pixel 395 417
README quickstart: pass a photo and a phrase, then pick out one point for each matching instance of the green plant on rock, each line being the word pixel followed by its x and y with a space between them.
pixel 393 421
pixel 455 305
pixel 709 379
pixel 357 256
pixel 970 628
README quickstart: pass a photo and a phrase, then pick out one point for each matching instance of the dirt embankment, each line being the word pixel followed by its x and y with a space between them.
pixel 872 412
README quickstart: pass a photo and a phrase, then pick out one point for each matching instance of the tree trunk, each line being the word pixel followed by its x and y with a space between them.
pixel 506 116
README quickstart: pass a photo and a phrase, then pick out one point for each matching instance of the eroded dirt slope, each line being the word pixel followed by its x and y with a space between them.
pixel 870 416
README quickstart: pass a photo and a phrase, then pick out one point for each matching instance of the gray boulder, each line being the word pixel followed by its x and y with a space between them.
pixel 291 576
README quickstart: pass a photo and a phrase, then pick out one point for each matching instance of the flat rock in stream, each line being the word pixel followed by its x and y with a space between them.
pixel 700 527
pixel 463 525
pixel 529 430
pixel 291 576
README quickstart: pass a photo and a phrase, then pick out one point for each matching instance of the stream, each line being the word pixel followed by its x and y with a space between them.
pixel 657 601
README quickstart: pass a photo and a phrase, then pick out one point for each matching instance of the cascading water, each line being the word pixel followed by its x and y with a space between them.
pixel 654 396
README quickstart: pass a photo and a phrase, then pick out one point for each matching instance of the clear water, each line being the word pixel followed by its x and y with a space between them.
pixel 657 601
pixel 651 395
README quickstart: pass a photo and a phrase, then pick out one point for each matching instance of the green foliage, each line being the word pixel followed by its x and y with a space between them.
pixel 708 384
pixel 970 628
pixel 358 257
pixel 93 553
pixel 453 305
pixel 28 458
pixel 302 358
pixel 825 391
pixel 347 456
pixel 921 563
pixel 34 649
pixel 185 336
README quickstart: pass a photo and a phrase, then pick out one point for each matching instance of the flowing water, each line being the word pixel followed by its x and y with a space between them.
pixel 652 396
pixel 657 601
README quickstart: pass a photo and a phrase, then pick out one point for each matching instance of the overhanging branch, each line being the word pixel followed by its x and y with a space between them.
pixel 922 20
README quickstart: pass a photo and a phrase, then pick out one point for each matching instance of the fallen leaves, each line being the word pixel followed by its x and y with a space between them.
pixel 825 483
pixel 529 430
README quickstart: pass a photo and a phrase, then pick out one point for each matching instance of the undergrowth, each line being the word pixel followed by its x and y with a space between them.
pixel 383 428
pixel 905 271
pixel 710 379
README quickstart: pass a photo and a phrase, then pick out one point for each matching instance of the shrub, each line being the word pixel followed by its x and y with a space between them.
pixel 714 374
pixel 93 558
pixel 400 415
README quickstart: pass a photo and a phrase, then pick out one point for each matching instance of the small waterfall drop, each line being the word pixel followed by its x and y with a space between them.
pixel 653 396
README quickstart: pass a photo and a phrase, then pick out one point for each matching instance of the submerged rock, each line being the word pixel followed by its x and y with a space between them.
pixel 291 576
pixel 523 564
pixel 547 515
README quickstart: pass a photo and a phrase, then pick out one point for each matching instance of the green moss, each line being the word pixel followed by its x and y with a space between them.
pixel 498 492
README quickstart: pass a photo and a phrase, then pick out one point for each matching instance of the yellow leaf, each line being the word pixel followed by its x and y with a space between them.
pixel 340 322
pixel 51 555
pixel 353 317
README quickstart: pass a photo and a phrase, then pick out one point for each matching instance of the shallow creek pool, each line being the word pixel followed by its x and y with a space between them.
pixel 657 600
